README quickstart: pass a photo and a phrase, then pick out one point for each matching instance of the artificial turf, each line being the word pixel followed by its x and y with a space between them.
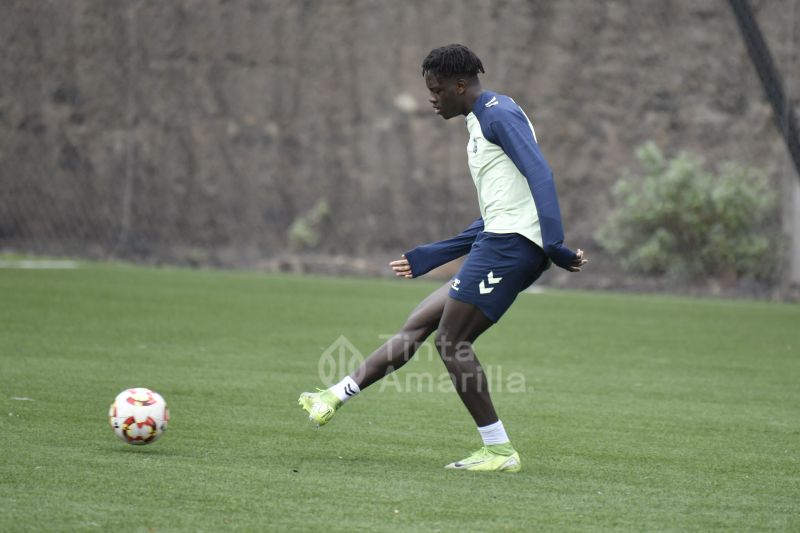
pixel 639 413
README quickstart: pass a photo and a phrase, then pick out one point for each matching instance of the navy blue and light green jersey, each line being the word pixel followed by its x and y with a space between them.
pixel 516 192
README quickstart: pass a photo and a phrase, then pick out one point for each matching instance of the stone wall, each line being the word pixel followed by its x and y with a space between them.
pixel 203 129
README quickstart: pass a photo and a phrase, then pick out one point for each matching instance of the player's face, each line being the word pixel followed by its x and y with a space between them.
pixel 446 95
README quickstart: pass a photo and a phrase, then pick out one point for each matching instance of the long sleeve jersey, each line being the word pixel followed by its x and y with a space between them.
pixel 516 192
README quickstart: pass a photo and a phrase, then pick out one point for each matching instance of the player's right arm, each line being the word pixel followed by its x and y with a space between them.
pixel 511 130
pixel 426 257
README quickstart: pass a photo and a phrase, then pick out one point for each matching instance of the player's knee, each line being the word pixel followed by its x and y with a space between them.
pixel 445 339
pixel 418 326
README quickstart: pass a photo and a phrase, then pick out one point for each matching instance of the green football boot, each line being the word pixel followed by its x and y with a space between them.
pixel 491 458
pixel 321 406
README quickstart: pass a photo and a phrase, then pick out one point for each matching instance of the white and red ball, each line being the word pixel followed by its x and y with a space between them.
pixel 138 416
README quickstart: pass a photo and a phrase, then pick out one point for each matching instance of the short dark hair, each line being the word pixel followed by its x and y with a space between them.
pixel 452 61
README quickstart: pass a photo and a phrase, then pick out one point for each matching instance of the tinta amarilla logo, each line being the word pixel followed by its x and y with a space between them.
pixel 338 359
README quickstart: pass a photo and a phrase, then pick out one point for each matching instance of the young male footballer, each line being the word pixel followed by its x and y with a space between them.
pixel 517 237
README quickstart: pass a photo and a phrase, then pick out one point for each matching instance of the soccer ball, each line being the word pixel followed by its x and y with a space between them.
pixel 138 416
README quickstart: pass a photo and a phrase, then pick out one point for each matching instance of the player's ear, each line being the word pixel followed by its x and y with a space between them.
pixel 461 85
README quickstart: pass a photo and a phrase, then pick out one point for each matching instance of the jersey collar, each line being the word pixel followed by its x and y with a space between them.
pixel 484 97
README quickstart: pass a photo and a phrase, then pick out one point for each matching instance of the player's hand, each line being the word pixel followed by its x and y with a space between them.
pixel 578 262
pixel 401 268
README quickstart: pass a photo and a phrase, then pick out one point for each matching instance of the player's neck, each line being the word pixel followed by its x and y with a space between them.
pixel 471 96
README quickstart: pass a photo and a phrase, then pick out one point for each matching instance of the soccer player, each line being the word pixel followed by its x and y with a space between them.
pixel 517 237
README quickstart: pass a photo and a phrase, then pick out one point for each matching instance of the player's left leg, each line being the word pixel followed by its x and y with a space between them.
pixel 498 268
pixel 461 324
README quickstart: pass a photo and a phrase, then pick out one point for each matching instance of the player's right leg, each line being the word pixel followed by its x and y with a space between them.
pixel 391 355
pixel 399 349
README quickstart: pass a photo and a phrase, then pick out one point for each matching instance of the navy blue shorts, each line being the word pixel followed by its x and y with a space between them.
pixel 499 266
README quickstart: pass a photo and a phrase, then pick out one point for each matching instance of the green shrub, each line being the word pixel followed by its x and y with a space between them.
pixel 304 233
pixel 679 220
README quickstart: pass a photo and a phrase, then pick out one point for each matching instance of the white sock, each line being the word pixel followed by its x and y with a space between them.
pixel 493 434
pixel 345 389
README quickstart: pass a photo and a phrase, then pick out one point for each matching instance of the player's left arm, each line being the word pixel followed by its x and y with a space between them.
pixel 514 135
pixel 422 259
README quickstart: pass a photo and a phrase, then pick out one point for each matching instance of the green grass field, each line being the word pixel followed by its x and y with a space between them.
pixel 641 413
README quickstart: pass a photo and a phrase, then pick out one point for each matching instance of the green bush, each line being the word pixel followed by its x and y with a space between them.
pixel 304 233
pixel 679 220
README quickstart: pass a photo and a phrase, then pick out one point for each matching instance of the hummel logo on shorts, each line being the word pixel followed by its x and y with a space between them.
pixel 491 280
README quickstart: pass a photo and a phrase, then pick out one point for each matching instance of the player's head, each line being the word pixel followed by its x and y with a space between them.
pixel 451 74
